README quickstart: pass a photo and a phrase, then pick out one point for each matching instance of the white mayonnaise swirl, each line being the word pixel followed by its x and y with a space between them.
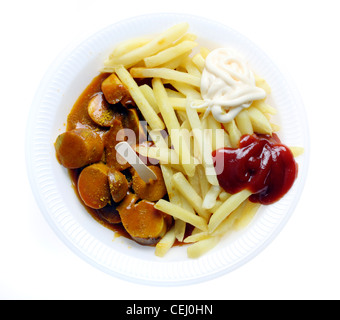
pixel 227 85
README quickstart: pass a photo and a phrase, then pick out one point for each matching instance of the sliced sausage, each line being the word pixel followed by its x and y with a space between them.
pixel 93 186
pixel 100 112
pixel 151 191
pixel 110 214
pixel 142 221
pixel 78 148
pixel 114 91
pixel 119 185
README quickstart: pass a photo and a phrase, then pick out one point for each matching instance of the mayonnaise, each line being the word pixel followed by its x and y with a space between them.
pixel 227 85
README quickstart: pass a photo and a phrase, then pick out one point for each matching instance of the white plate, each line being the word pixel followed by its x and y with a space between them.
pixel 64 82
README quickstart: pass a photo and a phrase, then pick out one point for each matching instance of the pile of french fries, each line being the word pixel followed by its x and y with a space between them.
pixel 174 63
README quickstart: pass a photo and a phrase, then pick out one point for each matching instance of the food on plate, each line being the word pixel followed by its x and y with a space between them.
pixel 78 148
pixel 174 143
pixel 114 91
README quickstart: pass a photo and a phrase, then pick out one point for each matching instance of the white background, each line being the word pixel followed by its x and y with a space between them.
pixel 300 36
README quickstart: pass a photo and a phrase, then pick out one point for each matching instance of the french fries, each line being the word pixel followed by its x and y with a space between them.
pixel 189 193
pixel 204 143
pixel 169 54
pixel 173 127
pixel 167 74
pixel 227 207
pixel 195 196
pixel 157 44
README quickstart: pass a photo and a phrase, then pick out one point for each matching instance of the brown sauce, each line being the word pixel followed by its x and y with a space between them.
pixel 79 118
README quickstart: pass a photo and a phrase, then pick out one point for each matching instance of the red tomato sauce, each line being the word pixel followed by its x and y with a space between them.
pixel 261 164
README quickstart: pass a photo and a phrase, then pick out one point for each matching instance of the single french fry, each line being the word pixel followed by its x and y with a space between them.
pixel 297 151
pixel 149 96
pixel 199 61
pixel 199 248
pixel 165 73
pixel 218 203
pixel 179 104
pixel 261 83
pixel 227 143
pixel 204 52
pixel 185 126
pixel 243 123
pixel 182 117
pixel 259 122
pixel 224 195
pixel 186 89
pixel 167 173
pixel 163 155
pixel 166 109
pixel 189 193
pixel 227 208
pixel 275 127
pixel 264 107
pixel 157 44
pixel 249 211
pixel 174 94
pixel 195 231
pixel 180 227
pixel 190 67
pixel 148 112
pixel 211 197
pixel 158 139
pixel 227 224
pixel 195 183
pixel 204 183
pixel 195 150
pixel 208 159
pixel 127 46
pixel 180 213
pixel 174 63
pixel 234 133
pixel 166 243
pixel 170 53
pixel 196 237
pixel 217 138
pixel 187 37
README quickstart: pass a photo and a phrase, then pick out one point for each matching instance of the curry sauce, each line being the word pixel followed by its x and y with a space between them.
pixel 109 215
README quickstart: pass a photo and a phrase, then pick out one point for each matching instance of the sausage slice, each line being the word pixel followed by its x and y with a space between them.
pixel 119 185
pixel 93 186
pixel 78 148
pixel 151 191
pixel 142 221
pixel 100 112
pixel 114 90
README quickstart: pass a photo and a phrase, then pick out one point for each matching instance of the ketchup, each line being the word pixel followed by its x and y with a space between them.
pixel 261 164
